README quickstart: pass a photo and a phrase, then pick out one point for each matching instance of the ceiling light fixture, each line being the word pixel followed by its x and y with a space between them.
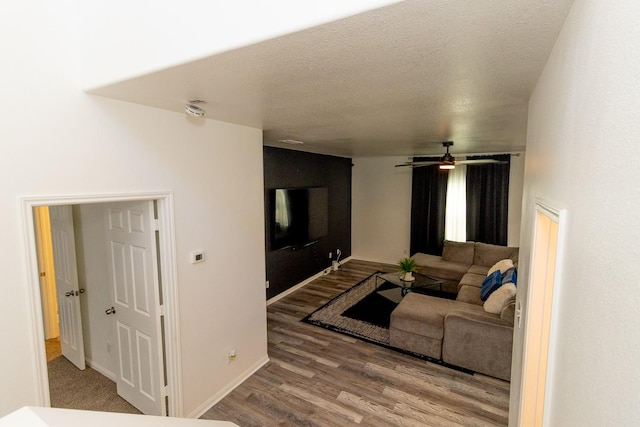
pixel 291 141
pixel 447 162
pixel 446 166
pixel 192 108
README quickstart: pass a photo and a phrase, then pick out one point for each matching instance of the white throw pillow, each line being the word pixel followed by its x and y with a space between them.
pixel 502 265
pixel 496 301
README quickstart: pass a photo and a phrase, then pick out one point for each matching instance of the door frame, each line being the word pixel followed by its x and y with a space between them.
pixel 168 271
pixel 540 318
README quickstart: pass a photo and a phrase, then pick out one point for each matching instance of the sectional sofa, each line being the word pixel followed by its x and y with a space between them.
pixel 466 331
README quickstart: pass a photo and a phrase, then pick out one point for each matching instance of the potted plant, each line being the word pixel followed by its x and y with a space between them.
pixel 407 267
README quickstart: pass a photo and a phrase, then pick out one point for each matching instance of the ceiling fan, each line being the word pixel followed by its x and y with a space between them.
pixel 448 161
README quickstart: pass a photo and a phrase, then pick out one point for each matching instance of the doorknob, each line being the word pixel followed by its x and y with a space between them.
pixel 109 311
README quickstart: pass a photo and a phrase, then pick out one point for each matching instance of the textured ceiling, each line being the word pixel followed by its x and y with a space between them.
pixel 392 81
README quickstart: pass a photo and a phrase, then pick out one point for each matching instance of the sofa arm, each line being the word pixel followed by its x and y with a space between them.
pixel 478 343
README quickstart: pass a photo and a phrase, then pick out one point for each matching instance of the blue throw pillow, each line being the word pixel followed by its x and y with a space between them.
pixel 511 275
pixel 490 284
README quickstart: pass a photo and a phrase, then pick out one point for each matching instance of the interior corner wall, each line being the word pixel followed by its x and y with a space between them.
pixel 583 156
pixel 289 169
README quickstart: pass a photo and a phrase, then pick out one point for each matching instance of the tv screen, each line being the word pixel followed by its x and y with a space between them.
pixel 299 216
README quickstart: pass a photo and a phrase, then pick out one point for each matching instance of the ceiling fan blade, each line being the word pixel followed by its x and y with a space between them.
pixel 417 164
pixel 479 162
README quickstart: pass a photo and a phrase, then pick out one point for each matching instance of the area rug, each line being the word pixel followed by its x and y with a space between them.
pixel 359 312
pixel 362 313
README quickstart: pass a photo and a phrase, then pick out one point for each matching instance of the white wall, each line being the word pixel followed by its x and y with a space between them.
pixel 583 156
pixel 516 177
pixel 56 140
pixel 381 207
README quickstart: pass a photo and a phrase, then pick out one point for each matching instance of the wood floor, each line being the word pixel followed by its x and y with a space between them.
pixel 318 377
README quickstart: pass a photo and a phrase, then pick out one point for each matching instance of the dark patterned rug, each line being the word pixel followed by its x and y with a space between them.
pixel 361 312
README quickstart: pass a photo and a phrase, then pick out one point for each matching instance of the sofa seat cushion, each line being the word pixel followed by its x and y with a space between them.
pixel 469 294
pixel 471 279
pixel 424 315
pixel 479 269
pixel 435 266
pixel 486 254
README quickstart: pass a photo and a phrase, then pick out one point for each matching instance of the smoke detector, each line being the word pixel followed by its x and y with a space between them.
pixel 192 108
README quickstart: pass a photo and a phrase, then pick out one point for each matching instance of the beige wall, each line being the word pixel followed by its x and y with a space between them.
pixel 56 140
pixel 583 156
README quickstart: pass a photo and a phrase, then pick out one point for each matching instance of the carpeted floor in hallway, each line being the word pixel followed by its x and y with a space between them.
pixel 72 388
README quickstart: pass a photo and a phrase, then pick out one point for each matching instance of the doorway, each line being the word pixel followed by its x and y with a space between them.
pixel 166 270
pixel 538 333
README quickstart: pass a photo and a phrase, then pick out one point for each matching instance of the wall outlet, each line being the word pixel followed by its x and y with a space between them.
pixel 196 257
pixel 330 255
pixel 267 284
pixel 231 357
pixel 339 252
pixel 108 347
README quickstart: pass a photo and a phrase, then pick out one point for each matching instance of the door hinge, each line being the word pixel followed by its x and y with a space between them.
pixel 43 273
pixel 162 310
pixel 156 224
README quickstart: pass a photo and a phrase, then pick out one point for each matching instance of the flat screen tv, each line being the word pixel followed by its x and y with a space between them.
pixel 298 216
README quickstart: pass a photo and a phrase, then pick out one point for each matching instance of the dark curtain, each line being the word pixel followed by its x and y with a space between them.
pixel 488 200
pixel 428 199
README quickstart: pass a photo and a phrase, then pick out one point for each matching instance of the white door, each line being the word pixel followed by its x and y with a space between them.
pixel 47 272
pixel 134 287
pixel 67 292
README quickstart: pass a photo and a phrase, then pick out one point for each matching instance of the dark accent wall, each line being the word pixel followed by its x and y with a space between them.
pixel 289 169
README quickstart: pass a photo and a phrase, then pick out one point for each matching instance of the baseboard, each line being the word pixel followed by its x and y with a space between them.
pixel 303 283
pixel 101 369
pixel 200 410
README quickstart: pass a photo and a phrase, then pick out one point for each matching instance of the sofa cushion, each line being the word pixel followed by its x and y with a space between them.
pixel 460 252
pixel 471 279
pixel 510 276
pixel 435 266
pixel 424 315
pixel 498 299
pixel 478 342
pixel 490 284
pixel 486 254
pixel 479 269
pixel 469 294
pixel 502 265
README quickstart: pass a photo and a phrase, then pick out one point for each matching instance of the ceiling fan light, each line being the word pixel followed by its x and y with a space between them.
pixel 447 166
